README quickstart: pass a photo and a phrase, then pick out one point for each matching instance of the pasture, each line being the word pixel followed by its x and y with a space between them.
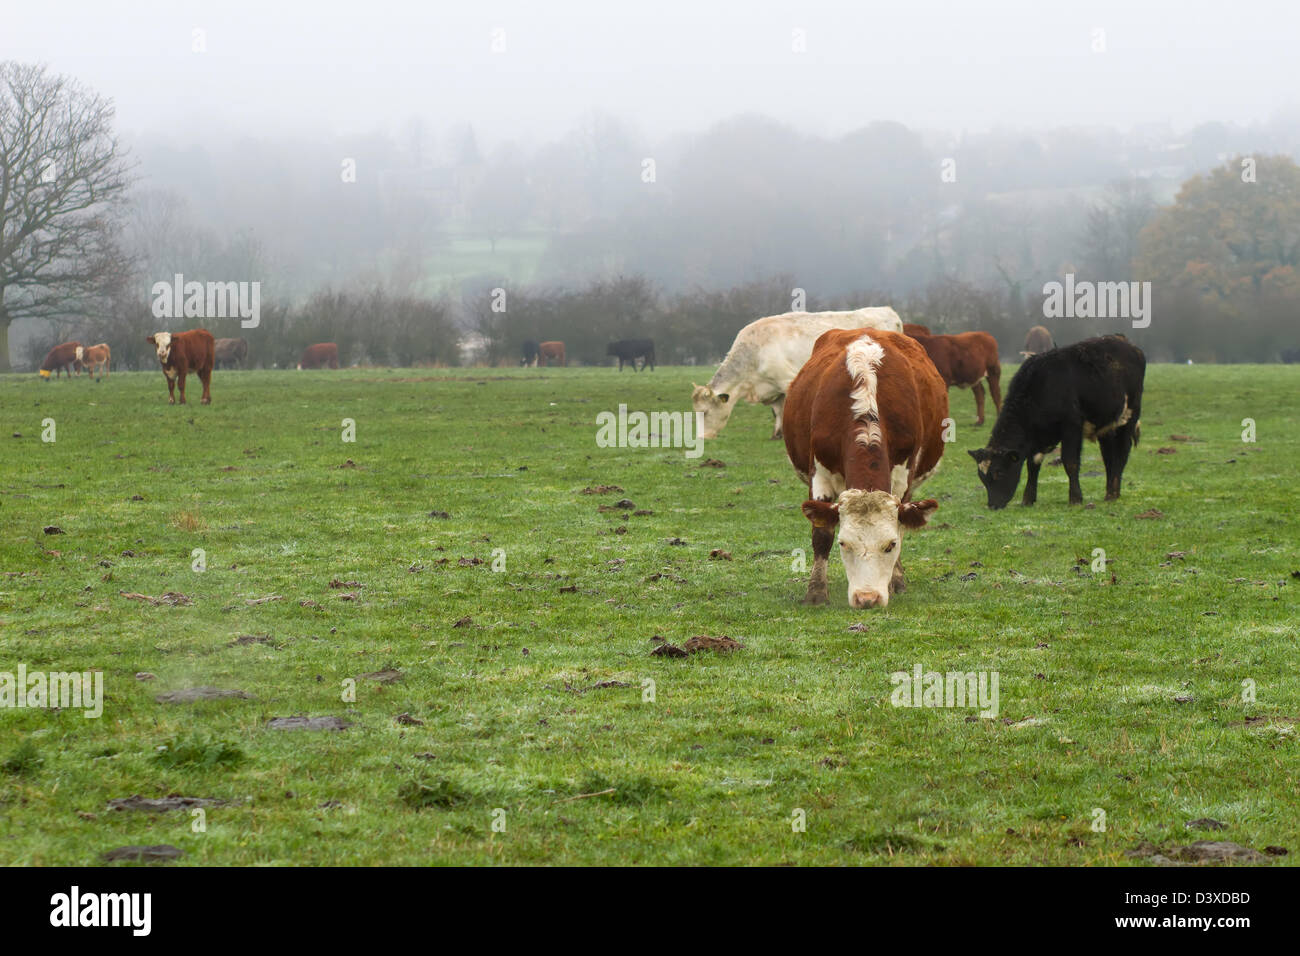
pixel 523 688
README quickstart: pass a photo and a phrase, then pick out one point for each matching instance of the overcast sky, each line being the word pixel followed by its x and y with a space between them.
pixel 273 68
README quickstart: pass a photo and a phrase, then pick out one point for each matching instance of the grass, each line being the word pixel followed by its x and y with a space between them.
pixel 1119 691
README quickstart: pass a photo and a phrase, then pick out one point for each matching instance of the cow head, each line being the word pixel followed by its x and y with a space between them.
pixel 712 408
pixel 870 526
pixel 999 470
pixel 162 343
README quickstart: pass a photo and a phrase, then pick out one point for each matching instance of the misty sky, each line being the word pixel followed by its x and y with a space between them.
pixel 273 68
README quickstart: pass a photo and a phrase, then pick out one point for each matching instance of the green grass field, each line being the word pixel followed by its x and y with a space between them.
pixel 528 737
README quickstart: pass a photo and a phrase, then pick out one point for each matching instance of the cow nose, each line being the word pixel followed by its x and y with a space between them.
pixel 868 598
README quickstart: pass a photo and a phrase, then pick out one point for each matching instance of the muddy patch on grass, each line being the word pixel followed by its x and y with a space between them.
pixel 308 723
pixel 601 490
pixel 245 639
pixel 188 695
pixel 700 643
pixel 170 598
pixel 1202 851
pixel 165 804
pixel 390 675
pixel 158 853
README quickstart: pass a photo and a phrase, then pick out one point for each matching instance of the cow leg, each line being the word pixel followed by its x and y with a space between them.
pixel 995 386
pixel 822 539
pixel 1032 467
pixel 180 385
pixel 1114 452
pixel 778 411
pixel 205 376
pixel 1071 452
pixel 898 582
pixel 171 390
pixel 978 391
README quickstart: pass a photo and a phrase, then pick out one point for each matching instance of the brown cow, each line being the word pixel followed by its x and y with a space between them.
pixel 321 355
pixel 1038 340
pixel 863 425
pixel 231 351
pixel 61 358
pixel 93 358
pixel 550 350
pixel 915 328
pixel 964 360
pixel 181 353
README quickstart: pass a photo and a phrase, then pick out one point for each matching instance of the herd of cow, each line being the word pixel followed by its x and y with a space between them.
pixel 861 400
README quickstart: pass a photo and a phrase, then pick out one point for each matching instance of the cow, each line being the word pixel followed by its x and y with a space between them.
pixel 93 358
pixel 231 351
pixel 1038 340
pixel 180 353
pixel 551 352
pixel 1092 389
pixel 321 355
pixel 61 358
pixel 863 425
pixel 529 358
pixel 629 350
pixel 965 360
pixel 915 328
pixel 1291 356
pixel 766 356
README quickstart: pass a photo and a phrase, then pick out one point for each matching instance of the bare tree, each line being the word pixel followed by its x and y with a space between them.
pixel 62 182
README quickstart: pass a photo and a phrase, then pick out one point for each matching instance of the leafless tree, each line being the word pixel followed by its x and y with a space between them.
pixel 63 179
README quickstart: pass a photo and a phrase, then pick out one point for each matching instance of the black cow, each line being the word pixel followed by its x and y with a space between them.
pixel 1291 356
pixel 1092 389
pixel 629 350
pixel 530 353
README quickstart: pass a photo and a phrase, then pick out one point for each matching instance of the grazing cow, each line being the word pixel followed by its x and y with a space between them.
pixel 965 360
pixel 915 328
pixel 629 350
pixel 61 358
pixel 530 354
pixel 766 356
pixel 1092 389
pixel 93 358
pixel 181 353
pixel 1038 340
pixel 864 428
pixel 550 353
pixel 321 355
pixel 1291 356
pixel 231 351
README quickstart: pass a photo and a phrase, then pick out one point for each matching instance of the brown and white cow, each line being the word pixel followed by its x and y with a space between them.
pixel 965 360
pixel 230 352
pixel 321 355
pixel 863 425
pixel 61 358
pixel 93 358
pixel 550 353
pixel 181 353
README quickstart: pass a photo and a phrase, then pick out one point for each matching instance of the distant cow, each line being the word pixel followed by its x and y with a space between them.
pixel 231 351
pixel 965 360
pixel 1092 389
pixel 915 328
pixel 1038 340
pixel 61 358
pixel 321 355
pixel 864 428
pixel 181 353
pixel 529 358
pixel 1291 356
pixel 766 356
pixel 629 350
pixel 550 353
pixel 93 358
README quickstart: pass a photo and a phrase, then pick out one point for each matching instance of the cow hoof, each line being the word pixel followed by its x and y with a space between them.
pixel 813 597
pixel 1076 501
pixel 1114 497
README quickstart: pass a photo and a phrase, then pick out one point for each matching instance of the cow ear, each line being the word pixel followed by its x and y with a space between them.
pixel 979 454
pixel 724 398
pixel 151 341
pixel 914 514
pixel 823 514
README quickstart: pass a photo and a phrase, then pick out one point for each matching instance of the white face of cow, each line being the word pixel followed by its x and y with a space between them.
pixel 162 342
pixel 712 409
pixel 871 524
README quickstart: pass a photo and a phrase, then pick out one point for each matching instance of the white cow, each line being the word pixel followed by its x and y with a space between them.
pixel 768 354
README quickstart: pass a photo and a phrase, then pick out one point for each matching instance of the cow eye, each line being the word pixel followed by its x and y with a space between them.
pixel 890 547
